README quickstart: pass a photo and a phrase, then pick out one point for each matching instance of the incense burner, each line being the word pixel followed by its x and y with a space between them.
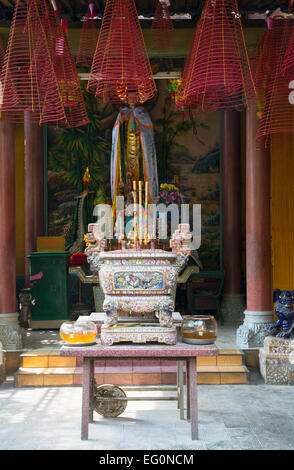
pixel 142 282
pixel 139 282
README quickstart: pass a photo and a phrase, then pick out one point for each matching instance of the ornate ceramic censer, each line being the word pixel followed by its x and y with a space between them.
pixel 141 282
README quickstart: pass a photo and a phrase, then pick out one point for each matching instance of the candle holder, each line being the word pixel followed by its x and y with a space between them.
pixel 199 329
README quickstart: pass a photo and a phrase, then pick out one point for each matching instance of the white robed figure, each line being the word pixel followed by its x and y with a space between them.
pixel 133 153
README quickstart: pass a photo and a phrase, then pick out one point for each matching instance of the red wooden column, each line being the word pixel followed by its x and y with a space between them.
pixel 258 251
pixel 10 335
pixel 34 187
pixel 232 301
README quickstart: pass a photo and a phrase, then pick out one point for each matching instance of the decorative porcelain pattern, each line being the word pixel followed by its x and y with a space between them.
pixel 110 336
pixel 143 280
pixel 138 281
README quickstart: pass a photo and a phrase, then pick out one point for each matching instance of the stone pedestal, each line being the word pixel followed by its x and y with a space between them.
pixel 233 306
pixel 253 331
pixel 11 333
pixel 275 360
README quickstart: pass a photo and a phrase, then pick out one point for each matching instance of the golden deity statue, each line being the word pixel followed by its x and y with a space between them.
pixel 132 161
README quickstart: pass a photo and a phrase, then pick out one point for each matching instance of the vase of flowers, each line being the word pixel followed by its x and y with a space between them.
pixel 169 194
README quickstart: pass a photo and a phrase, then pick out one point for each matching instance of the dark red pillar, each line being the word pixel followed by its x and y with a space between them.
pixel 232 299
pixel 258 248
pixel 231 201
pixel 7 218
pixel 10 333
pixel 34 186
pixel 258 312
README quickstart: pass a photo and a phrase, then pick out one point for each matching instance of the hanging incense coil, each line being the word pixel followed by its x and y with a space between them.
pixel 217 72
pixel 262 70
pixel 16 82
pixel 121 71
pixel 39 76
pixel 88 40
pixel 63 64
pixel 278 109
pixel 162 27
pixel 2 53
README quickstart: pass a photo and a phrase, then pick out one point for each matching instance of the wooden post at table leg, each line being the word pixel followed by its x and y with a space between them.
pixel 86 397
pixel 193 397
pixel 188 389
pixel 92 390
pixel 181 388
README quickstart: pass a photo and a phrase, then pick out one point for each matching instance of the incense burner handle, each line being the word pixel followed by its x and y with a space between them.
pixel 180 244
pixel 96 244
pixel 110 307
pixel 166 309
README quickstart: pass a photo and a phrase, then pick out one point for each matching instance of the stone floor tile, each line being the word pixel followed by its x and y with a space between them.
pixel 231 417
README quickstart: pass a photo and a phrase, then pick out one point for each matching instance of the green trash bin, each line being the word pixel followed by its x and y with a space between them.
pixel 51 292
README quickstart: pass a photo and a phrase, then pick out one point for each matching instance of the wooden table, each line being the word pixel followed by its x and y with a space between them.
pixel 179 352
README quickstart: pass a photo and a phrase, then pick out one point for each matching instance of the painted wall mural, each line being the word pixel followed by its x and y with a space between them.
pixel 195 160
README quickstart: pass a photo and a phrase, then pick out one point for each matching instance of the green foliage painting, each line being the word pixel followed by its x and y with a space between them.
pixel 74 150
pixel 190 149
pixel 208 163
pixel 167 129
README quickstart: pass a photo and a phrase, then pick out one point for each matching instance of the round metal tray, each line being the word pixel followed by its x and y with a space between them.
pixel 70 345
pixel 197 341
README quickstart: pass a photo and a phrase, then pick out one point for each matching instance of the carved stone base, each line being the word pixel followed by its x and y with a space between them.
pixel 233 306
pixel 275 362
pixel 254 329
pixel 11 334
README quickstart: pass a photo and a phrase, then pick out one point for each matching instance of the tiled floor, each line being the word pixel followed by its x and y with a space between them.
pixel 231 417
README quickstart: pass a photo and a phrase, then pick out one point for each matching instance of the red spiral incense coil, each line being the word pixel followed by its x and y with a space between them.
pixel 262 69
pixel 39 76
pixel 277 114
pixel 121 71
pixel 162 27
pixel 217 72
pixel 2 53
pixel 88 40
